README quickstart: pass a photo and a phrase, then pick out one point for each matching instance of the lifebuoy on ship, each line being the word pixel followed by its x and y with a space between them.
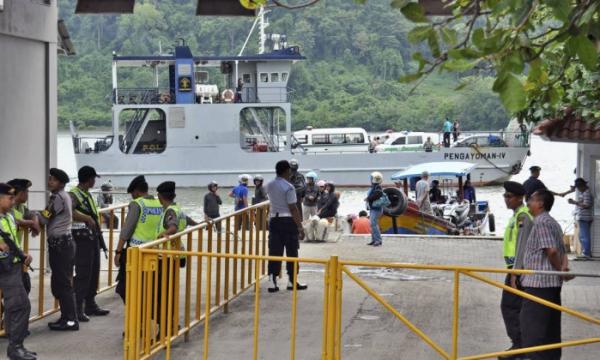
pixel 398 202
pixel 228 95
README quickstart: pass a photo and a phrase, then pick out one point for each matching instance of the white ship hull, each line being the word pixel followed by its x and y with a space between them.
pixel 207 147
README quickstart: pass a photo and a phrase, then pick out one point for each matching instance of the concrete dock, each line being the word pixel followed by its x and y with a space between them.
pixel 368 329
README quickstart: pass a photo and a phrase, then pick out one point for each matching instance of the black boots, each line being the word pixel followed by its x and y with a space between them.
pixel 92 309
pixel 18 352
pixel 273 283
pixel 81 316
pixel 64 325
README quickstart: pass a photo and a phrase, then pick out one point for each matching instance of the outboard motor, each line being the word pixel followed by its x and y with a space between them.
pixel 457 213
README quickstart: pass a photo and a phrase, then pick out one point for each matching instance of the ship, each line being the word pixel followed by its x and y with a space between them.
pixel 198 119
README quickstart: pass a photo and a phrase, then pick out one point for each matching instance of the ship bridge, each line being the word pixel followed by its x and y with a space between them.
pixel 181 78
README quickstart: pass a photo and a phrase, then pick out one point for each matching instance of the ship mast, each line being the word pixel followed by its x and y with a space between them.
pixel 262 26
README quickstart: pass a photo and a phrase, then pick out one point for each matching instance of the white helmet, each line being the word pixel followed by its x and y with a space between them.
pixel 244 178
pixel 376 177
pixel 294 164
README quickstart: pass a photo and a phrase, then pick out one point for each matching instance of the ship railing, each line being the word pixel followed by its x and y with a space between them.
pixel 42 301
pixel 166 301
pixel 137 96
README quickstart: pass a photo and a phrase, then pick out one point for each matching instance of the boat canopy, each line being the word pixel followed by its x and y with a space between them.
pixel 448 168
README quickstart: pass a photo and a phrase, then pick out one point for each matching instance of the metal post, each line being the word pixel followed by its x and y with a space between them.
pixel 331 308
pixel 111 227
pixel 455 318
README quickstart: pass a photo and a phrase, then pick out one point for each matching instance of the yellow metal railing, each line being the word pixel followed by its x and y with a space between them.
pixel 145 317
pixel 40 282
pixel 165 300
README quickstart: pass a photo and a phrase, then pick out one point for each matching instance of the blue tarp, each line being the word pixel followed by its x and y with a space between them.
pixel 446 168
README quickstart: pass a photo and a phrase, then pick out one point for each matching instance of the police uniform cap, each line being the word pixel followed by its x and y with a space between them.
pixel 86 172
pixel 20 184
pixel 514 187
pixel 6 189
pixel 580 181
pixel 135 183
pixel 167 187
pixel 535 168
pixel 60 175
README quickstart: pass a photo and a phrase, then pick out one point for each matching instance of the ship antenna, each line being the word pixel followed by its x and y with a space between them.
pixel 260 20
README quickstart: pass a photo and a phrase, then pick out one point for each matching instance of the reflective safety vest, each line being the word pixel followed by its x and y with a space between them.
pixel 9 226
pixel 18 213
pixel 87 205
pixel 150 217
pixel 181 220
pixel 511 235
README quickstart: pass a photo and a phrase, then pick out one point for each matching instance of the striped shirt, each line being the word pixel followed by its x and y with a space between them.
pixel 545 233
pixel 586 198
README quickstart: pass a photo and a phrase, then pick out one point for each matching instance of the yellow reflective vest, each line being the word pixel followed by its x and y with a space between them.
pixel 9 226
pixel 151 214
pixel 511 235
pixel 181 220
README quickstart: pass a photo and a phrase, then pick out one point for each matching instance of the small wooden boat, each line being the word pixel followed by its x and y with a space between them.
pixel 454 217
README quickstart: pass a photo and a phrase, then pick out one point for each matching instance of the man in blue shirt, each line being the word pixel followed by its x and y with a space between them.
pixel 240 195
pixel 285 225
pixel 447 130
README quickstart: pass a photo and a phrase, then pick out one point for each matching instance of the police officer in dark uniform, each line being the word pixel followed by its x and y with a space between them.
pixel 533 184
pixel 299 182
pixel 58 218
pixel 16 302
pixel 86 233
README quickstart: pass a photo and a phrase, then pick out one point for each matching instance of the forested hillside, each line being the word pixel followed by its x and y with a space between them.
pixel 356 54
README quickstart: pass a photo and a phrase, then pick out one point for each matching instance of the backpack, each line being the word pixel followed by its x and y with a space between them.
pixel 382 202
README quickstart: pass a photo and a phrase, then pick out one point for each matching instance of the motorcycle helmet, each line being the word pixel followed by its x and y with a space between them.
pixel 212 184
pixel 294 164
pixel 376 177
pixel 312 175
pixel 258 178
pixel 244 178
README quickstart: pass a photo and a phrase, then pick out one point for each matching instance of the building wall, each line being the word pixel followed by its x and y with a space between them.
pixel 588 160
pixel 28 99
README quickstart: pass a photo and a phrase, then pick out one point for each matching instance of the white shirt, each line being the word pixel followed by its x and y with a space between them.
pixel 281 194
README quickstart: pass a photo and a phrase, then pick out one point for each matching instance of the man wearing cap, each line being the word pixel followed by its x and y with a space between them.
pixel 86 233
pixel 173 219
pixel 285 226
pixel 143 218
pixel 26 220
pixel 422 192
pixel 584 214
pixel 533 183
pixel 58 218
pixel 515 240
pixel 16 302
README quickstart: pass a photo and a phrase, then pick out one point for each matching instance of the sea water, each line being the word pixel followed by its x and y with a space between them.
pixel 557 160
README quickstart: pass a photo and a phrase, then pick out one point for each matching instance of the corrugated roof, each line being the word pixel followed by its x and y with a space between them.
pixel 571 128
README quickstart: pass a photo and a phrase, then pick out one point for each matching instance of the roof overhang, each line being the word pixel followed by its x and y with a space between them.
pixel 104 6
pixel 570 129
pixel 222 8
pixel 65 46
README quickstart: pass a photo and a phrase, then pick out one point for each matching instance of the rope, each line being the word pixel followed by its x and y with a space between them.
pixel 474 146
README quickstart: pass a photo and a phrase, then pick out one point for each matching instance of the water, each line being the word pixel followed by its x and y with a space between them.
pixel 558 161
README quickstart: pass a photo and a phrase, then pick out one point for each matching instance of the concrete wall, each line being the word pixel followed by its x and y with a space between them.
pixel 588 167
pixel 28 99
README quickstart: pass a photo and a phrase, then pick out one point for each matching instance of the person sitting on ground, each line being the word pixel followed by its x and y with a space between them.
pixel 435 194
pixel 329 209
pixel 469 192
pixel 322 195
pixel 361 225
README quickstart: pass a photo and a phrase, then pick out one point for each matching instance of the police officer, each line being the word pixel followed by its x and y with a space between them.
pixel 16 302
pixel 86 233
pixel 143 218
pixel 515 239
pixel 26 220
pixel 299 182
pixel 58 218
pixel 173 219
pixel 285 225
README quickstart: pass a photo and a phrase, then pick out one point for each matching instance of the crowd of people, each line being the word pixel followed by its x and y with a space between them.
pixel 532 240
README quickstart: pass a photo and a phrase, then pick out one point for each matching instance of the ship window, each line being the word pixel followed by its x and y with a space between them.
pixel 412 140
pixel 284 76
pixel 142 131
pixel 247 78
pixel 262 129
pixel 264 77
pixel 320 139
pixel 399 141
pixel 274 77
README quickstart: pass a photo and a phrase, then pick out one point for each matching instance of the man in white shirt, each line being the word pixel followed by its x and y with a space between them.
pixel 422 190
